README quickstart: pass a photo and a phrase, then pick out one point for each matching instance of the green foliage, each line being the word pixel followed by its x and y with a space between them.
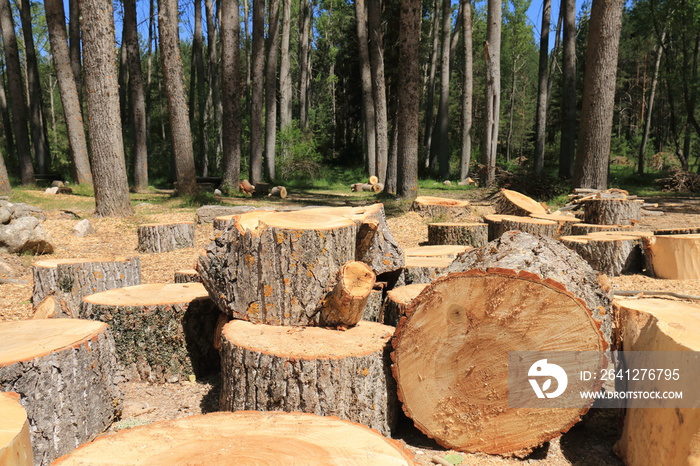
pixel 298 156
pixel 198 199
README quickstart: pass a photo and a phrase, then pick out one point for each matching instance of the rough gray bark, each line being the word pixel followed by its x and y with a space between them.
pixel 467 91
pixel 567 148
pixel 398 300
pixel 137 97
pixel 187 276
pixel 650 108
pixel 68 283
pixel 231 90
pixel 68 89
pixel 542 86
pixel 369 119
pixel 74 34
pixel 198 98
pixel 16 91
pixel 164 237
pixel 305 20
pixel 492 103
pixel 275 275
pixel 214 105
pixel 430 91
pixel 612 211
pixel 375 245
pixel 373 308
pixel 612 256
pixel 593 149
pixel 533 226
pixel 443 116
pixel 102 98
pixel 285 67
pixel 376 49
pixel 256 104
pixel 548 259
pixel 467 234
pixel 271 68
pixel 350 384
pixel 585 228
pixel 70 393
pixel 424 269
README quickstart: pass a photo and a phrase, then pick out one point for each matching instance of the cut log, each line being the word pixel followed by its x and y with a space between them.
pixel 187 276
pixel 586 228
pixel 261 189
pixel 279 191
pixel 64 282
pixel 534 226
pixel 165 237
pixel 398 301
pixel 373 180
pixel 451 352
pixel 446 250
pixel 495 225
pixel 272 438
pixel 677 231
pixel 360 187
pixel 666 435
pixel 276 267
pixel 15 445
pixel 549 259
pixel 612 211
pixel 612 255
pixel 246 187
pixel 466 234
pixel 564 222
pixel 428 206
pixel 675 257
pixel 163 332
pixel 378 187
pixel 344 305
pixel 509 202
pixel 424 269
pixel 65 371
pixel 312 369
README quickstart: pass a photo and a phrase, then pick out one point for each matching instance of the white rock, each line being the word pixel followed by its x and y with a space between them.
pixel 83 228
pixel 53 190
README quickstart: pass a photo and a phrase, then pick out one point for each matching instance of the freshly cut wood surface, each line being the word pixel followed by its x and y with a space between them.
pixel 611 253
pixel 430 206
pixel 617 234
pixel 311 369
pixel 467 234
pixel 244 437
pixel 424 269
pixel 674 257
pixel 442 250
pixel 344 305
pixel 15 445
pixel 399 300
pixel 660 436
pixel 612 211
pixel 165 237
pixel 451 357
pixel 276 267
pixel 65 371
pixel 163 332
pixel 587 228
pixel 511 202
pixel 564 222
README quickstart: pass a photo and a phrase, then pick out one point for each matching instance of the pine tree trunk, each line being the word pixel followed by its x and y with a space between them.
pixel 428 206
pixel 430 91
pixel 258 81
pixel 376 48
pixel 369 119
pixel 492 104
pixel 673 257
pixel 231 92
pixel 102 98
pixel 586 228
pixel 567 148
pixel 285 68
pixel 398 301
pixel 345 303
pixel 542 86
pixel 271 69
pixel 305 20
pixel 442 128
pixel 74 35
pixel 467 92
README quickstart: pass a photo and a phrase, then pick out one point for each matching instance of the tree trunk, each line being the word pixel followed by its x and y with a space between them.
pixel 369 119
pixel 611 255
pixel 55 22
pixel 102 97
pixel 593 151
pixel 198 95
pixel 650 107
pixel 376 48
pixel 467 234
pixel 409 99
pixel 214 121
pixel 15 88
pixel 467 92
pixel 37 121
pixel 258 81
pixel 181 137
pixel 6 120
pixel 285 68
pixel 231 90
pixel 273 48
pixel 567 148
pixel 316 370
pixel 66 371
pixel 542 86
pixel 16 446
pixel 137 97
pixel 492 104
pixel 442 128
pixel 612 211
pixel 305 19
pixel 430 91
pixel 74 35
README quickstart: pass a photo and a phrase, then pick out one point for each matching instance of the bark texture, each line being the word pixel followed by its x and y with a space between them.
pixel 164 237
pixel 428 206
pixel 64 371
pixel 492 102
pixel 467 234
pixel 256 104
pixel 398 301
pixel 314 370
pixel 586 228
pixel 534 226
pixel 612 256
pixel 424 269
pixel 231 89
pixel 567 148
pixel 187 276
pixel 564 222
pixel 612 211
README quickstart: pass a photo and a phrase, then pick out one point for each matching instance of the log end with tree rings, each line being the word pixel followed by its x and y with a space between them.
pixel 245 437
pixel 509 202
pixel 451 358
pixel 674 257
pixel 15 444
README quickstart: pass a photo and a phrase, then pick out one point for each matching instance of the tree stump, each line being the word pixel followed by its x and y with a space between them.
pixel 64 371
pixel 428 206
pixel 262 189
pixel 586 228
pixel 15 445
pixel 499 224
pixel 466 234
pixel 564 222
pixel 675 257
pixel 278 191
pixel 311 369
pixel 451 354
pixel 548 259
pixel 249 437
pixel 612 211
pixel 424 269
pixel 398 301
pixel 611 255
pixel 275 268
pixel 344 305
pixel 187 276
pixel 60 284
pixel 165 237
pixel 163 332
pixel 445 250
pixel 495 225
pixel 373 309
pixel 677 231
pixel 662 435
pixel 509 202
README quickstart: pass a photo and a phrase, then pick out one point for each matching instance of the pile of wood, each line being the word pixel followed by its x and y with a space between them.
pixel 373 185
pixel 680 181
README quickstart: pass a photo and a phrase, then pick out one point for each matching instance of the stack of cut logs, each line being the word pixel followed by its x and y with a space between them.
pixel 373 185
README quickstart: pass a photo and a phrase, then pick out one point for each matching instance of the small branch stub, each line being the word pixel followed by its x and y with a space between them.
pixel 344 305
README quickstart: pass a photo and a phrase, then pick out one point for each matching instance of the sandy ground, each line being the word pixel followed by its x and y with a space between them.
pixel 588 443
